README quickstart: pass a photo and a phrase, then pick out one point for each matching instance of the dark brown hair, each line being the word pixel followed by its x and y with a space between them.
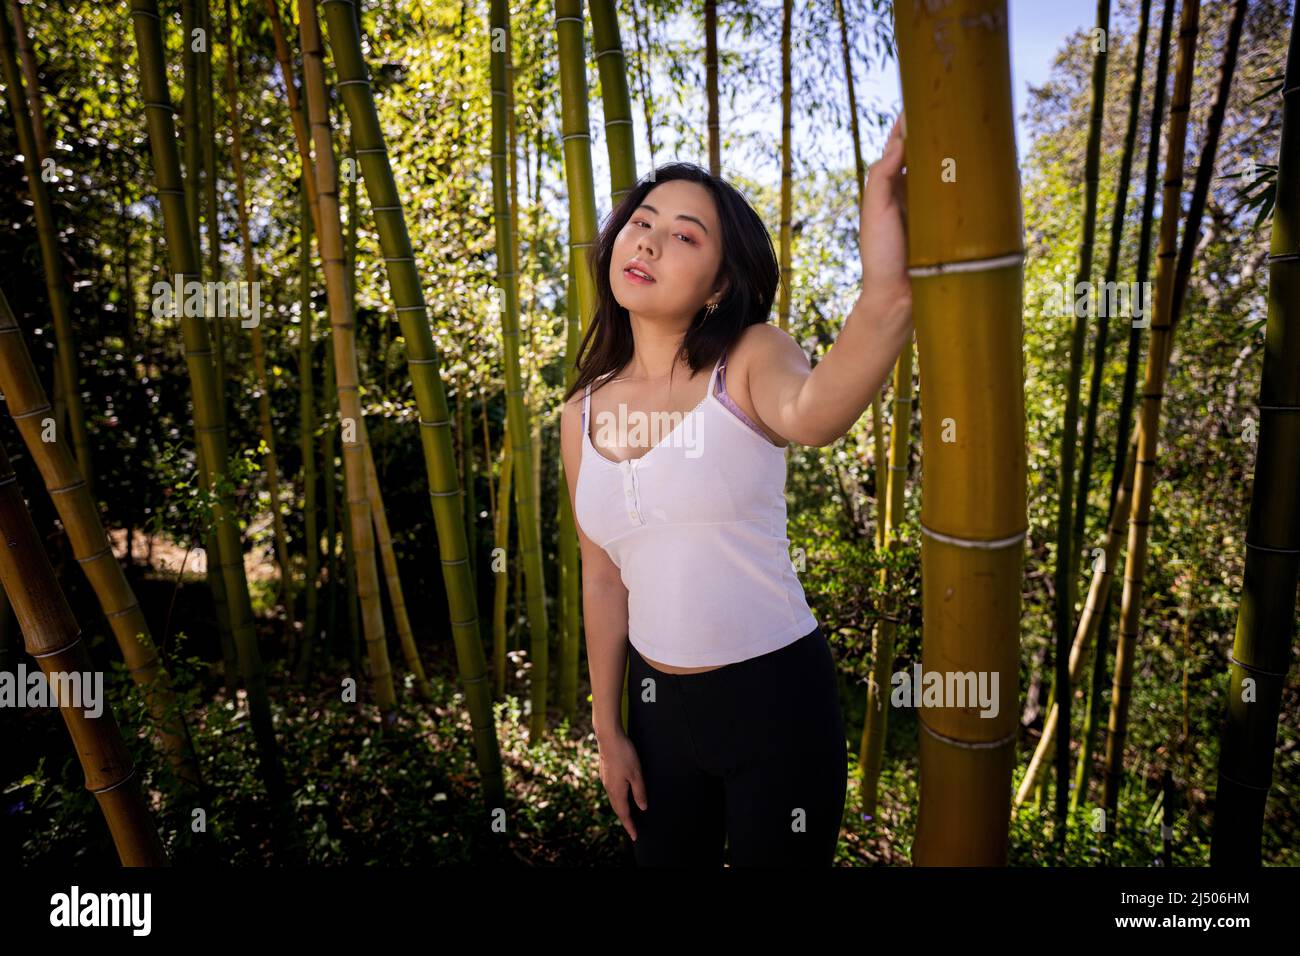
pixel 749 265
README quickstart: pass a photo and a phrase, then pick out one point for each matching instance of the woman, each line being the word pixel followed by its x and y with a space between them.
pixel 676 475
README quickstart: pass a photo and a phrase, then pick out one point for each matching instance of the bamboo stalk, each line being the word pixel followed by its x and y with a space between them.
pixel 35 153
pixel 270 461
pixel 190 107
pixel 501 543
pixel 607 46
pixel 1262 645
pixel 209 425
pixel 1129 387
pixel 711 84
pixel 787 146
pixel 307 418
pixel 343 322
pixel 575 128
pixel 384 539
pixel 966 258
pixel 208 124
pixel 569 27
pixel 646 93
pixel 81 520
pixel 1103 575
pixel 423 363
pixel 52 636
pixel 1170 287
pixel 1118 218
pixel 1065 556
pixel 872 747
pixel 860 172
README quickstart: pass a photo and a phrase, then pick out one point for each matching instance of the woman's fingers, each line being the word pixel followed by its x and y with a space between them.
pixel 885 178
pixel 618 799
pixel 638 788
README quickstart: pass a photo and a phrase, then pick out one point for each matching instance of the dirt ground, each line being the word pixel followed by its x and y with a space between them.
pixel 166 557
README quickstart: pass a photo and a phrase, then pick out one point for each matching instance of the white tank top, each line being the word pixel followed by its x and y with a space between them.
pixel 697 529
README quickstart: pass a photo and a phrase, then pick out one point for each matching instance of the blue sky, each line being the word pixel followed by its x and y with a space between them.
pixel 1038 28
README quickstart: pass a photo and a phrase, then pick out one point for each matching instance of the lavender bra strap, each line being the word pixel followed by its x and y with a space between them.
pixel 725 399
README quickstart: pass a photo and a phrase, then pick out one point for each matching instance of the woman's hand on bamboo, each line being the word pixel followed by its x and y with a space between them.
pixel 882 227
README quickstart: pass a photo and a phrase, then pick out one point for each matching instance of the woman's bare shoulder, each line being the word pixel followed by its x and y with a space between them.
pixel 760 344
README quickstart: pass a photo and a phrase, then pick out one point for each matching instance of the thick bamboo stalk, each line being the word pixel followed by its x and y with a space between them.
pixel 81 520
pixel 966 258
pixel 1065 556
pixel 270 462
pixel 54 639
pixel 1262 646
pixel 343 322
pixel 56 282
pixel 209 426
pixel 787 147
pixel 423 363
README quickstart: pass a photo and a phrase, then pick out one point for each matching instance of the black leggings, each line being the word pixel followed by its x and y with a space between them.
pixel 752 753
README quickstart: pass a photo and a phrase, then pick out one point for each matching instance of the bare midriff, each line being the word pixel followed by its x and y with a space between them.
pixel 673 669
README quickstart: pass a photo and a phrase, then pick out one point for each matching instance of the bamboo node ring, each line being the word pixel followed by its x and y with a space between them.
pixel 983 544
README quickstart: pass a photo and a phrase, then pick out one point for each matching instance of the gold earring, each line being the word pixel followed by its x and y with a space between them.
pixel 709 310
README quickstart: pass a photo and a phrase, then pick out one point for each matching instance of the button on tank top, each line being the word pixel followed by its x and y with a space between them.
pixel 697 529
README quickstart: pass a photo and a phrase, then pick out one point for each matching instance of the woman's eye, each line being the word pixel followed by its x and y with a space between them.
pixel 687 238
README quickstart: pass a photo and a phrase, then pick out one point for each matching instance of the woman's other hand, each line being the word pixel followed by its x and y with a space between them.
pixel 620 768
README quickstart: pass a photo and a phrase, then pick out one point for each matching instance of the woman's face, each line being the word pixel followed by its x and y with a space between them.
pixel 676 239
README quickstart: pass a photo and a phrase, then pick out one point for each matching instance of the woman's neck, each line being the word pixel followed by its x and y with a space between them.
pixel 657 353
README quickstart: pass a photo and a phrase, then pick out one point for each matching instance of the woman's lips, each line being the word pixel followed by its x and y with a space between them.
pixel 633 277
